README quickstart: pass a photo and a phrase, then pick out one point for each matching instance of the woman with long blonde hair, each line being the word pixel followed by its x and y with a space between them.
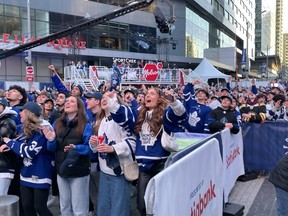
pixel 36 172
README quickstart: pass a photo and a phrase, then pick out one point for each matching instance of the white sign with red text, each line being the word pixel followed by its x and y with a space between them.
pixel 192 186
pixel 150 72
pixel 30 73
pixel 233 164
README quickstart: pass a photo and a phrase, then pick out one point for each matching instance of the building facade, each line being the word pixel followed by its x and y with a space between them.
pixel 265 28
pixel 285 50
pixel 204 28
pixel 279 29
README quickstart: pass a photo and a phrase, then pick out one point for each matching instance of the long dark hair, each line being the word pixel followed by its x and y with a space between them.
pixel 156 121
pixel 80 119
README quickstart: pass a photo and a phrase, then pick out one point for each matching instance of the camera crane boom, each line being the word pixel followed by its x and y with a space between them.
pixel 116 13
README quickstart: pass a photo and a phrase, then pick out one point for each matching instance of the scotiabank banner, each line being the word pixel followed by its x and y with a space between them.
pixel 192 186
pixel 233 164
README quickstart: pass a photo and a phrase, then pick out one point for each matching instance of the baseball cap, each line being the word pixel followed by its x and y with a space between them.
pixel 227 96
pixel 96 95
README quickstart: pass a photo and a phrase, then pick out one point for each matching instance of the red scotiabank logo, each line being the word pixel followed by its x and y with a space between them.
pixel 150 72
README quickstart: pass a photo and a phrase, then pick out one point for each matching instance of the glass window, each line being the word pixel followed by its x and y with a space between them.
pixel 23 13
pixel 12 11
pixel 231 19
pixel 78 19
pixel 226 14
pixel 232 5
pixel 23 26
pixel 55 22
pixel 222 10
pixel 102 1
pixel 42 28
pixel 68 20
pixel 1 9
pixel 1 25
pixel 216 5
pixel 12 25
pixel 33 28
pixel 42 15
pixel 197 35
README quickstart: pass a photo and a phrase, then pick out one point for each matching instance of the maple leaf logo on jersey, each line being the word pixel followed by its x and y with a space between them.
pixel 27 162
pixel 193 119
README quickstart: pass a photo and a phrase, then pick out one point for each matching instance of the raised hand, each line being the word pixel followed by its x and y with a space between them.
pixel 195 82
pixel 49 133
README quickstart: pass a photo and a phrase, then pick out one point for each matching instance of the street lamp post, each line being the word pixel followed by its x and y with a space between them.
pixel 267 72
pixel 247 51
pixel 29 58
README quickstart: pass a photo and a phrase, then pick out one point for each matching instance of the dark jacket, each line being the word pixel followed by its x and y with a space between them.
pixel 7 129
pixel 257 110
pixel 279 175
pixel 55 114
pixel 219 117
pixel 68 135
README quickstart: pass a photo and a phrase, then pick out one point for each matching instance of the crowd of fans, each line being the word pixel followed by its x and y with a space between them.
pixel 52 138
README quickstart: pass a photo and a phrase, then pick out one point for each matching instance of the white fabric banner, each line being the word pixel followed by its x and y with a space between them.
pixel 233 164
pixel 191 186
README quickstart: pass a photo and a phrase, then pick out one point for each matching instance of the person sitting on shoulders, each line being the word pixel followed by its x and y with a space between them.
pixel 198 111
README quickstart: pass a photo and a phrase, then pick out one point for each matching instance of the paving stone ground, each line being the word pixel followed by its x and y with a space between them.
pixel 258 197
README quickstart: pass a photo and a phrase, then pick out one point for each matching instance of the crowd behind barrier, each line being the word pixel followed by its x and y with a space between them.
pixel 262 148
pixel 210 177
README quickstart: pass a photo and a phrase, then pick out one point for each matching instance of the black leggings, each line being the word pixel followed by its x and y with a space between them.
pixel 144 178
pixel 34 201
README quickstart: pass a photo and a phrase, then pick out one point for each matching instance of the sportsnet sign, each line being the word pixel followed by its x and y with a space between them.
pixel 191 186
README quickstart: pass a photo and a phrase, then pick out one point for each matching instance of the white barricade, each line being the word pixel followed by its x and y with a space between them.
pixel 233 164
pixel 191 186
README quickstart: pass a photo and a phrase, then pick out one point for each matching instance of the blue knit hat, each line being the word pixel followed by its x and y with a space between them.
pixel 33 107
pixel 79 87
